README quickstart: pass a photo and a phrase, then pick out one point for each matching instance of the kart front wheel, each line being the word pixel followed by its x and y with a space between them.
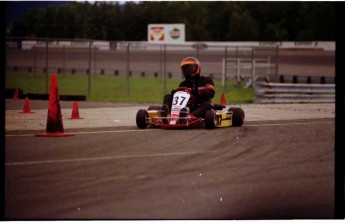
pixel 237 116
pixel 142 115
pixel 210 120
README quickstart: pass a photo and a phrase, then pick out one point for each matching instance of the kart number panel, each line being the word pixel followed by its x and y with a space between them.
pixel 180 100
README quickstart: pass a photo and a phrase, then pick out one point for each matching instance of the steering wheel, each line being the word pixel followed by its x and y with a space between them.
pixel 183 88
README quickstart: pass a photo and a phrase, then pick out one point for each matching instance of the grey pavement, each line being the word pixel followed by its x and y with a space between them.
pixel 107 114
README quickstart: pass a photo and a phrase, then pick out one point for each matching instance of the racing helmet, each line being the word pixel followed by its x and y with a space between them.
pixel 190 67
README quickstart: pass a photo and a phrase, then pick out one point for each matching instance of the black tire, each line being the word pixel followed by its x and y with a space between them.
pixel 164 113
pixel 210 119
pixel 154 108
pixel 142 115
pixel 237 116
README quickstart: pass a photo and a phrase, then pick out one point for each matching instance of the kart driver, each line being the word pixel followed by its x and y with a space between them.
pixel 202 90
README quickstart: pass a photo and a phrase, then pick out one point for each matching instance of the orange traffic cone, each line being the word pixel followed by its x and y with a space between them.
pixel 54 121
pixel 26 109
pixel 75 112
pixel 16 94
pixel 223 100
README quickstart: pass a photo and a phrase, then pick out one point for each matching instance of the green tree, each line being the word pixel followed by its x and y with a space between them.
pixel 242 27
pixel 196 14
pixel 204 21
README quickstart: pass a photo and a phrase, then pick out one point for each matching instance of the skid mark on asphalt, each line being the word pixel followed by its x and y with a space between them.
pixel 136 130
pixel 285 124
pixel 87 132
pixel 106 158
pixel 142 155
pixel 205 195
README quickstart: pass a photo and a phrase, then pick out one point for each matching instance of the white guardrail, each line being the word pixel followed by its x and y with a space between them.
pixel 294 93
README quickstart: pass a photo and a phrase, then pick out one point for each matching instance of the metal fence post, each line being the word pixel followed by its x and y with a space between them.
pixel 238 70
pixel 225 68
pixel 95 60
pixel 89 82
pixel 47 66
pixel 165 69
pixel 160 61
pixel 35 61
pixel 127 69
pixel 63 60
pixel 253 68
pixel 277 60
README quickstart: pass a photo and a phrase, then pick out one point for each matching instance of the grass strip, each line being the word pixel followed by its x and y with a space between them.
pixel 118 88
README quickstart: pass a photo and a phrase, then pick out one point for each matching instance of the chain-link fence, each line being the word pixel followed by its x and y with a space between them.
pixel 139 58
pixel 243 64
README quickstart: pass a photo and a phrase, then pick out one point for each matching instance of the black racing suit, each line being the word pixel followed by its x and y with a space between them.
pixel 202 93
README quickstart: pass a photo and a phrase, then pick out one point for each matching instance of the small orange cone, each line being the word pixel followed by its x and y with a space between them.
pixel 54 121
pixel 223 100
pixel 16 94
pixel 26 109
pixel 75 112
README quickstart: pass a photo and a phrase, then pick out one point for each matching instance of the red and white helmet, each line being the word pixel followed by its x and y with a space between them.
pixel 190 67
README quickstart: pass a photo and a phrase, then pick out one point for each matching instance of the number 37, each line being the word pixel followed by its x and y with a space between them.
pixel 179 100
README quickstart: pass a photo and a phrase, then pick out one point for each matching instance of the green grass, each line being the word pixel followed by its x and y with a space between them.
pixel 115 88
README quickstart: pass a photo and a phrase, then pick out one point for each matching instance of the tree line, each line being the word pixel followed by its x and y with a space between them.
pixel 204 21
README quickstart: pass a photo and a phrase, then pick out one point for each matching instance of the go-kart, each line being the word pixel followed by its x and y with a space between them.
pixel 160 116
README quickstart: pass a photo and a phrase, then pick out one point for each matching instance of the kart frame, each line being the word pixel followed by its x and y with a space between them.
pixel 213 118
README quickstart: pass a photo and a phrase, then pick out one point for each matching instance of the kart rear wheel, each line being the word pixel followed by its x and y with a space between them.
pixel 237 116
pixel 210 119
pixel 142 115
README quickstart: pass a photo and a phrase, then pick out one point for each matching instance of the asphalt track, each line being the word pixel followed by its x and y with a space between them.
pixel 266 169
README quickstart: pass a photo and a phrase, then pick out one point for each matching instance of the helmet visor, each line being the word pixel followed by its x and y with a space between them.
pixel 188 69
